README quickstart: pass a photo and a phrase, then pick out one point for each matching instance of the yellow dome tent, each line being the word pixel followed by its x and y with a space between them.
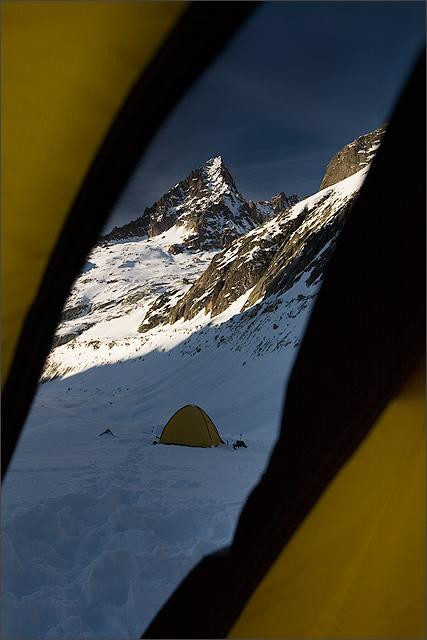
pixel 191 426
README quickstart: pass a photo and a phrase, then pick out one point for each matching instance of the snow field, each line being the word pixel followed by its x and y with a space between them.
pixel 98 532
pixel 99 562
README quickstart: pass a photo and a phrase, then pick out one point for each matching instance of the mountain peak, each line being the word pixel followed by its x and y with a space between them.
pixel 215 162
pixel 214 166
pixel 206 206
pixel 217 177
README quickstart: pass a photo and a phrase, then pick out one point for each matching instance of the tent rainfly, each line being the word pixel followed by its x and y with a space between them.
pixel 191 426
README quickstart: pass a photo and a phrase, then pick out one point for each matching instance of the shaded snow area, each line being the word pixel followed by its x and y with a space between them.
pixel 99 531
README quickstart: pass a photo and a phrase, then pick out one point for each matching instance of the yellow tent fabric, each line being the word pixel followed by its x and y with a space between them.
pixel 191 426
pixel 66 70
pixel 356 567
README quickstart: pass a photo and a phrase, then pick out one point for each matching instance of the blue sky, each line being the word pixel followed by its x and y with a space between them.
pixel 298 82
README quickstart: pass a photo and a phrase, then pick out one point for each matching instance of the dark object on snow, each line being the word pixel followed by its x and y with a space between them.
pixel 154 442
pixel 107 432
pixel 240 443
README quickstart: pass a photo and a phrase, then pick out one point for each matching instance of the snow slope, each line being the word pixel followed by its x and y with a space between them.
pixel 108 302
pixel 98 531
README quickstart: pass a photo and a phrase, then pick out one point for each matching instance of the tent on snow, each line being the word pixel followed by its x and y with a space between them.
pixel 191 426
pixel 326 561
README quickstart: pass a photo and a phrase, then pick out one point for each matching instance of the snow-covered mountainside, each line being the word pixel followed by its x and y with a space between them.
pixel 128 288
pixel 207 209
pixel 98 531
pixel 272 258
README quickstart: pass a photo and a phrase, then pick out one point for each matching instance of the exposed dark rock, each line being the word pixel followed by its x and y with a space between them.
pixel 109 304
pixel 79 310
pixel 353 157
pixel 269 260
pixel 58 341
pixel 175 249
pixel 158 312
pixel 135 296
pixel 276 204
pixel 301 253
pixel 232 272
pixel 208 207
pixel 62 339
pixel 281 201
pixel 134 229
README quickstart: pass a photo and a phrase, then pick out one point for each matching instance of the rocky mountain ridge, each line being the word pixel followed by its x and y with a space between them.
pixel 140 291
pixel 353 157
pixel 207 209
pixel 267 261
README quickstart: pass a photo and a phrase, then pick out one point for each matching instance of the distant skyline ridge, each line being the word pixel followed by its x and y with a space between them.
pixel 210 212
pixel 206 210
pixel 297 82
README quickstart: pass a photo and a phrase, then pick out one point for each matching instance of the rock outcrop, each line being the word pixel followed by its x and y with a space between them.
pixel 270 259
pixel 353 157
